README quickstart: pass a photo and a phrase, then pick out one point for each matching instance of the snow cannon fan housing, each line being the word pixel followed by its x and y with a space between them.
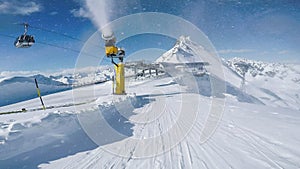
pixel 110 48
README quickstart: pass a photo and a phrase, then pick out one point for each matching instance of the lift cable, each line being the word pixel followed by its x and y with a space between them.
pixel 56 46
pixel 61 34
pixel 54 32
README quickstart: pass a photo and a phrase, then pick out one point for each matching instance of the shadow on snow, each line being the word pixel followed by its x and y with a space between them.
pixel 61 135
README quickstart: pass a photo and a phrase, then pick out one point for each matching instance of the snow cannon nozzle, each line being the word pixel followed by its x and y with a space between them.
pixel 108 36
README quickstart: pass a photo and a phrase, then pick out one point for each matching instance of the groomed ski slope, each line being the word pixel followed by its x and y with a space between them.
pixel 248 135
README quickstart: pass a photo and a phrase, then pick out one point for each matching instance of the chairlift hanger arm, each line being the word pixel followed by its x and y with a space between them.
pixel 25 28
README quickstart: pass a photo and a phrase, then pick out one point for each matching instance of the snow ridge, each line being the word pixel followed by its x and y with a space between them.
pixel 251 68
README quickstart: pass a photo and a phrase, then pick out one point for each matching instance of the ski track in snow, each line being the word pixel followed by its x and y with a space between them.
pixel 232 146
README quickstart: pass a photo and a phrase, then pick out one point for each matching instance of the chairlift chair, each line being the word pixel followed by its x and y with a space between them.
pixel 24 41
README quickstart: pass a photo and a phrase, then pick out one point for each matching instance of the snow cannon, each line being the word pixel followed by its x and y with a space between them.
pixel 112 52
pixel 110 48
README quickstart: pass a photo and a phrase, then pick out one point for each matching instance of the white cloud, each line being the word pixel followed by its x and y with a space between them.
pixel 81 12
pixel 236 2
pixel 19 7
pixel 283 52
pixel 227 51
pixel 53 13
pixel 9 74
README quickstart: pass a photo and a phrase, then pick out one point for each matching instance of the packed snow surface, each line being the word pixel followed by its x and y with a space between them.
pixel 248 136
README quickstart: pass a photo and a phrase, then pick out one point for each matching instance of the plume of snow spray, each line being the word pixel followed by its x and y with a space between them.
pixel 99 11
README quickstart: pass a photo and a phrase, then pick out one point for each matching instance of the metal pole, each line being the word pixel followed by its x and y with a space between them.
pixel 113 84
pixel 39 93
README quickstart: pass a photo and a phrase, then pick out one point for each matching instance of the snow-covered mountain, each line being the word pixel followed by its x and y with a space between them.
pixel 20 88
pixel 192 57
pixel 250 69
pixel 186 60
pixel 84 76
pixel 245 80
pixel 182 52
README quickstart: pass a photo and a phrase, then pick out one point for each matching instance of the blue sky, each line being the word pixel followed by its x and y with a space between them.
pixel 265 30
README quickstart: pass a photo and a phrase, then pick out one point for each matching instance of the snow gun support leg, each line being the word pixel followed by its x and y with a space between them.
pixel 113 62
pixel 120 74
pixel 120 79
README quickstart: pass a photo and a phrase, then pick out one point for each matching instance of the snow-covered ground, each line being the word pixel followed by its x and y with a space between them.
pixel 248 136
pixel 173 121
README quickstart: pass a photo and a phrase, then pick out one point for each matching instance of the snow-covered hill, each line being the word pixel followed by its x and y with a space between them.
pixel 20 88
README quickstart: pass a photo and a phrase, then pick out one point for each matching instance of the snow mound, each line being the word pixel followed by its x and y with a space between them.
pixel 28 140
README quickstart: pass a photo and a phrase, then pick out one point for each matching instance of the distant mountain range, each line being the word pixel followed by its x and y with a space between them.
pixel 246 80
pixel 16 89
pixel 250 69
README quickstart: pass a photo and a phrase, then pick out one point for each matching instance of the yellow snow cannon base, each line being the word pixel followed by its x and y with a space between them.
pixel 120 79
